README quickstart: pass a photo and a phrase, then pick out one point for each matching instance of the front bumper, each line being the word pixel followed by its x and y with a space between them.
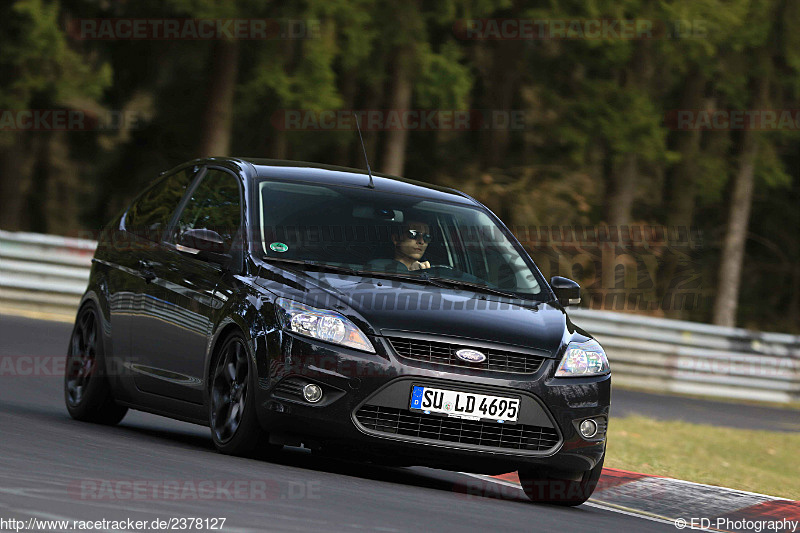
pixel 357 385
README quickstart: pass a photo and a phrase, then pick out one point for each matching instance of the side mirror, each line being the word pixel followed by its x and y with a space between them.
pixel 567 291
pixel 204 244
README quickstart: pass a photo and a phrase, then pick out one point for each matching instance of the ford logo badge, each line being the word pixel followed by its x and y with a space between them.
pixel 471 356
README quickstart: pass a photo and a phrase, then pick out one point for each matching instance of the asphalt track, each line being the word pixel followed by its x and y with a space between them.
pixel 52 467
pixel 703 411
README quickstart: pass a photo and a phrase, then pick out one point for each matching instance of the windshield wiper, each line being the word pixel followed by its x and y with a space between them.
pixel 440 282
pixel 478 286
pixel 422 277
pixel 314 264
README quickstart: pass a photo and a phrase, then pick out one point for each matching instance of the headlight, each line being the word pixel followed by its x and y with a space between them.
pixel 322 324
pixel 583 359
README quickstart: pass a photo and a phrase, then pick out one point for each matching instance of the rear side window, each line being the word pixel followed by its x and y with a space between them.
pixel 149 215
pixel 215 205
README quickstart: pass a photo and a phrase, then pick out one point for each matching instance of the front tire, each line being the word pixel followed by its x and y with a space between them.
pixel 560 488
pixel 235 429
pixel 87 393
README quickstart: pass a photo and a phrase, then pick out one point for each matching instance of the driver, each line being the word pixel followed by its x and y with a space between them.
pixel 410 245
pixel 410 242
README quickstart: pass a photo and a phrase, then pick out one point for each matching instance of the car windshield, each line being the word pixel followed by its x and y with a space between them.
pixel 367 230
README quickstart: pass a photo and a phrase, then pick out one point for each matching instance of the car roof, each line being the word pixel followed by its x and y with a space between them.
pixel 335 175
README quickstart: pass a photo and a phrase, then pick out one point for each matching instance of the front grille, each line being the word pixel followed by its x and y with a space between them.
pixel 439 428
pixel 445 353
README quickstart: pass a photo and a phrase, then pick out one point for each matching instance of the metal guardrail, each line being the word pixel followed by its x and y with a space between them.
pixel 43 273
pixel 46 273
pixel 689 357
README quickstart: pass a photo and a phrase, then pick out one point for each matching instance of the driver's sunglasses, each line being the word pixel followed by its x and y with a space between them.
pixel 414 235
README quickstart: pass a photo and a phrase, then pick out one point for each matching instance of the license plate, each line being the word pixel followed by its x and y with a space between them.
pixel 467 405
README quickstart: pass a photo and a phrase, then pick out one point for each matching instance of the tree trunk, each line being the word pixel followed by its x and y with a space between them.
pixel 679 193
pixel 394 155
pixel 621 190
pixel 501 85
pixel 344 156
pixel 373 100
pixel 13 182
pixel 218 117
pixel 730 271
pixel 622 180
pixel 36 211
pixel 279 146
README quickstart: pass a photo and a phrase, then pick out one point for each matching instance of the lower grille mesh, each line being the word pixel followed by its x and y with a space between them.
pixel 439 428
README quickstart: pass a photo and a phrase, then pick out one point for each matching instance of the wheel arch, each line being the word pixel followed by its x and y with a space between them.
pixel 225 330
pixel 244 315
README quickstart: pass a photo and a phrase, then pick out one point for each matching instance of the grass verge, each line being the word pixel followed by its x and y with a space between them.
pixel 758 461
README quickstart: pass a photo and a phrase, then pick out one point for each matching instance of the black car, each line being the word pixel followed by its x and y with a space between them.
pixel 285 303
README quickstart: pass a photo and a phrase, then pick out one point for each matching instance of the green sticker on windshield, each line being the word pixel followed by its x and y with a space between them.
pixel 278 247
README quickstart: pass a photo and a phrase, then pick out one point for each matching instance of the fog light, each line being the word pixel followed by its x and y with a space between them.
pixel 312 393
pixel 588 428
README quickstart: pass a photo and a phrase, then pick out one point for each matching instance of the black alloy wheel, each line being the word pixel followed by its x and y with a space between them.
pixel 87 393
pixel 235 428
pixel 83 357
pixel 229 391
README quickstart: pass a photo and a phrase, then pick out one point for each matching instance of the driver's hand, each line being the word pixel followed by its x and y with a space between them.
pixel 417 265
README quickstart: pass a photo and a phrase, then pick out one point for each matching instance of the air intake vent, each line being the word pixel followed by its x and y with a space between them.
pixel 291 388
pixel 394 421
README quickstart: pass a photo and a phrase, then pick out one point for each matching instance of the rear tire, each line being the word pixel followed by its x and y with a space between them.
pixel 560 488
pixel 235 429
pixel 87 393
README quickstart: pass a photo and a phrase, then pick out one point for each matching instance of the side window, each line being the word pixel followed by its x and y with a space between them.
pixel 149 215
pixel 215 205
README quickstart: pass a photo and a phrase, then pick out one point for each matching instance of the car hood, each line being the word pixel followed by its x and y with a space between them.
pixel 388 306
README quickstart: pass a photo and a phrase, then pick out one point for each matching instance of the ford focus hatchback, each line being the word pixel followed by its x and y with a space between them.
pixel 283 303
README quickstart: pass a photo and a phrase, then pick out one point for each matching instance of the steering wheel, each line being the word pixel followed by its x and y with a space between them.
pixel 451 272
pixel 448 270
